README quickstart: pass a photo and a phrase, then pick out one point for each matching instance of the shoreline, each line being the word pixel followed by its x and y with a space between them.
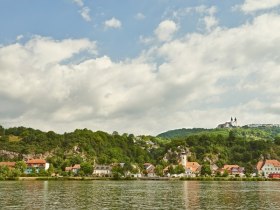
pixel 139 179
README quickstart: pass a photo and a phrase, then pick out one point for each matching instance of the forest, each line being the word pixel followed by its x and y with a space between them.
pixel 241 145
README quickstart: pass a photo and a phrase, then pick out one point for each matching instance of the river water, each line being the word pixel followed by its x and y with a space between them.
pixel 139 195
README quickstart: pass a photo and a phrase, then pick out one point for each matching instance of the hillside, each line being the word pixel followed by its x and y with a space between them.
pixel 245 132
pixel 243 146
pixel 180 132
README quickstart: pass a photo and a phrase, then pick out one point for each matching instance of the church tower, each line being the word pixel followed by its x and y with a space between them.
pixel 184 159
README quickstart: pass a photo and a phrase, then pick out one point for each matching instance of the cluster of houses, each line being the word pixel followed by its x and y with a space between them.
pixel 32 165
pixel 265 168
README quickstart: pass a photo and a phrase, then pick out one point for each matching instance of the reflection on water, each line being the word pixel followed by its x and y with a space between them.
pixel 138 195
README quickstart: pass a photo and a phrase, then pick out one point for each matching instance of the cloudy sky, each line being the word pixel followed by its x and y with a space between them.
pixel 141 66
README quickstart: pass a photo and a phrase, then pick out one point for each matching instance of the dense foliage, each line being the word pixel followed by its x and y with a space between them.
pixel 242 146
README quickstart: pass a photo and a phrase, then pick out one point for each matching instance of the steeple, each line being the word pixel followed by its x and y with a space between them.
pixel 184 159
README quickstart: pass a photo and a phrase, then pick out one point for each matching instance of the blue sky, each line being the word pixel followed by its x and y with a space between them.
pixel 61 19
pixel 140 67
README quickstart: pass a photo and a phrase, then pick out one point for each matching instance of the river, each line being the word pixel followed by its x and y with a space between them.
pixel 139 195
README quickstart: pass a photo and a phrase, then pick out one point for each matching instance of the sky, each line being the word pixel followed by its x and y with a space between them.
pixel 141 67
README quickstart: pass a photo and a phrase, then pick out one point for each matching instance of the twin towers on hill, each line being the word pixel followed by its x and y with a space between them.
pixel 231 124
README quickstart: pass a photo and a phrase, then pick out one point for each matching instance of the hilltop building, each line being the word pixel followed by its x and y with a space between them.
pixel 262 125
pixel 231 124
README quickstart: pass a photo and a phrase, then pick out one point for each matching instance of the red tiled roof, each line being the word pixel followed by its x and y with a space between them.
pixel 260 165
pixel 275 163
pixel 193 166
pixel 229 167
pixel 9 164
pixel 36 161
pixel 76 166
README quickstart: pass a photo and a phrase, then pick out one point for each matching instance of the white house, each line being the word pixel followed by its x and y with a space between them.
pixel 102 170
pixel 36 164
pixel 149 169
pixel 267 167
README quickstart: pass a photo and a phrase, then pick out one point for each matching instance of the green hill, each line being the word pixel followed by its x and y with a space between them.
pixel 242 146
pixel 180 132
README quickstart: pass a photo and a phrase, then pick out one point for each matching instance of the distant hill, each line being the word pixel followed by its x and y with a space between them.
pixel 181 132
pixel 253 133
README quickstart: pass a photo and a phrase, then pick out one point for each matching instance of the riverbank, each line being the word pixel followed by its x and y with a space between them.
pixel 146 178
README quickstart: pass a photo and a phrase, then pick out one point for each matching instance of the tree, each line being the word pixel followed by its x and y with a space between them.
pixel 225 174
pixel 117 171
pixel 21 166
pixel 277 140
pixel 159 170
pixel 205 169
pixel 179 169
pixel 4 172
pixel 51 169
pixel 86 168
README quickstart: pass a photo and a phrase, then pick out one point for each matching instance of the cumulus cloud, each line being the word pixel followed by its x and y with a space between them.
pixel 198 80
pixel 113 23
pixel 85 14
pixel 210 22
pixel 165 30
pixel 207 20
pixel 256 5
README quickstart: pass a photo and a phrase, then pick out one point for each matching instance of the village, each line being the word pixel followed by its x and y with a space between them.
pixel 40 167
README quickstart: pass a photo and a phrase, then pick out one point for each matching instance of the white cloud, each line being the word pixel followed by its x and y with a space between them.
pixel 207 20
pixel 113 23
pixel 80 3
pixel 140 16
pixel 19 37
pixel 210 22
pixel 165 30
pixel 255 5
pixel 146 40
pixel 85 14
pixel 202 79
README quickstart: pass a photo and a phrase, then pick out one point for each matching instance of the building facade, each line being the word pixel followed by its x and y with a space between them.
pixel 267 167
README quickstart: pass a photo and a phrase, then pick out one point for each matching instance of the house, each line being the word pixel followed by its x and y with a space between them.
pixel 192 168
pixel 102 170
pixel 10 165
pixel 37 164
pixel 267 167
pixel 235 170
pixel 214 168
pixel 149 169
pixel 74 169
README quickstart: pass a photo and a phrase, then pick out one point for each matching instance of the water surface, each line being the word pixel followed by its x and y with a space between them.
pixel 139 195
